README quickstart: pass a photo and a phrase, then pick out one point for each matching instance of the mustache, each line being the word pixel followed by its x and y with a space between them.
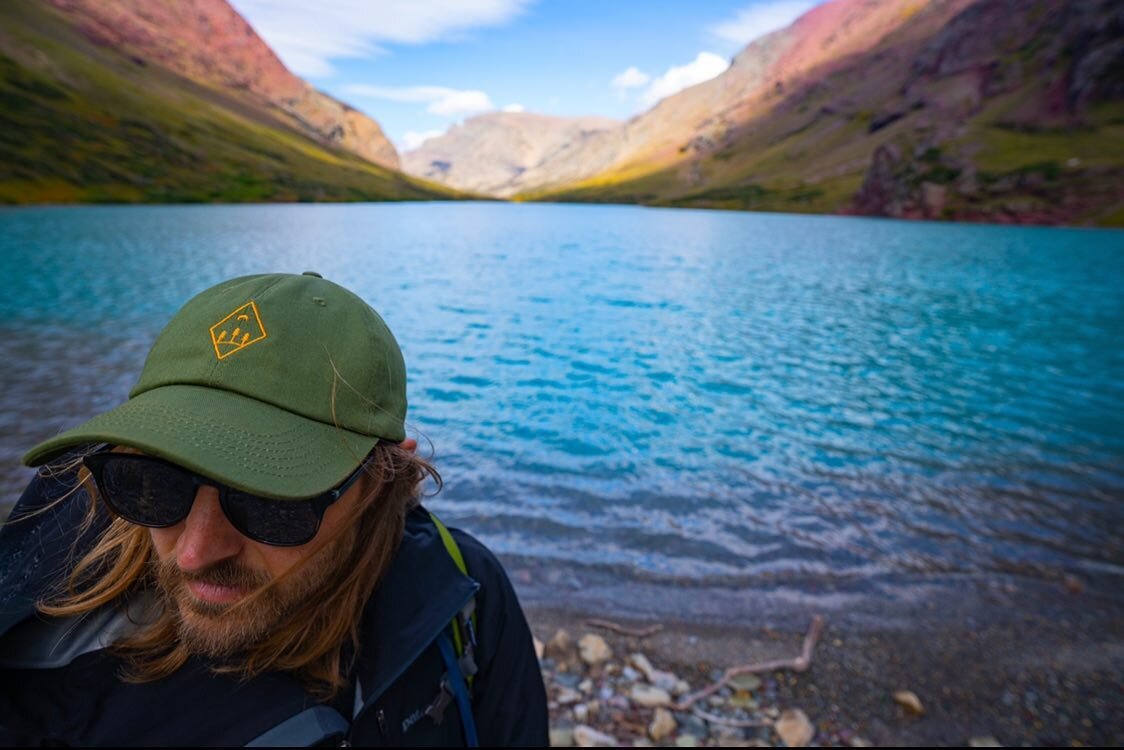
pixel 224 573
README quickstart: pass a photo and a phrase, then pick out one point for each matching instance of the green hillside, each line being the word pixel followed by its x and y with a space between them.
pixel 1013 135
pixel 989 172
pixel 81 123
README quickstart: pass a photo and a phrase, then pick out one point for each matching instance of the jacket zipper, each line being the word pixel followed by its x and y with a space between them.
pixel 374 696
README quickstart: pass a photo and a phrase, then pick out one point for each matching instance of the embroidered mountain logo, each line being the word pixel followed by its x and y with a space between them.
pixel 237 331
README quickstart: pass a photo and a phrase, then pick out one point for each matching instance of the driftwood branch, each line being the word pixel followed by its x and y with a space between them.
pixel 797 664
pixel 635 632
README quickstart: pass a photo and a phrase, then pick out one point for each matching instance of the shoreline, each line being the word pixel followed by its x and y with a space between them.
pixel 1017 661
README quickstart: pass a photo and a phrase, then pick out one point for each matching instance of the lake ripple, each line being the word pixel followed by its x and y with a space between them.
pixel 665 394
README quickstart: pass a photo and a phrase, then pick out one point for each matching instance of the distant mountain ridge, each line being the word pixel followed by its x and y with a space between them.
pixel 499 153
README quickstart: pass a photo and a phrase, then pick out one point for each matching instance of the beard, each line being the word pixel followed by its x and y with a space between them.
pixel 220 631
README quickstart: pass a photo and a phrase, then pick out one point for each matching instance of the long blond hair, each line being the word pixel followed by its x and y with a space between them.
pixel 310 643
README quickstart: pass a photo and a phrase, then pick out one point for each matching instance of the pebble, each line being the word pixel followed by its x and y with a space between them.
pixel 988 741
pixel 539 648
pixel 649 695
pixel 630 674
pixel 692 724
pixel 658 677
pixel 686 740
pixel 748 682
pixel 681 687
pixel 727 735
pixel 619 701
pixel 561 737
pixel 664 680
pixel 565 679
pixel 640 661
pixel 586 736
pixel 586 686
pixel 908 700
pixel 559 645
pixel 794 729
pixel 594 649
pixel 568 696
pixel 662 724
pixel 581 713
pixel 742 699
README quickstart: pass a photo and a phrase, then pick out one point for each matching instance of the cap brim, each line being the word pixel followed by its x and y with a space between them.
pixel 239 441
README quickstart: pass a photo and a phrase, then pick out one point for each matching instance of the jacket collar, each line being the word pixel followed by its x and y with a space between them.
pixel 420 594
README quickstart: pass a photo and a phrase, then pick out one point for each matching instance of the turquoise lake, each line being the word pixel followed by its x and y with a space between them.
pixel 657 394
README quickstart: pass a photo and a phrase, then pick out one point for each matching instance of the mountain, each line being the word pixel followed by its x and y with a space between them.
pixel 500 153
pixel 208 42
pixel 995 110
pixel 145 100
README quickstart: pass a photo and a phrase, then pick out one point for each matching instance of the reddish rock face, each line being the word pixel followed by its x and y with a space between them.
pixel 208 42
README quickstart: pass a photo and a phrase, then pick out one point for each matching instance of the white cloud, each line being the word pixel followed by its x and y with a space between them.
pixel 630 79
pixel 513 108
pixel 704 67
pixel 757 20
pixel 442 101
pixel 413 139
pixel 457 103
pixel 308 35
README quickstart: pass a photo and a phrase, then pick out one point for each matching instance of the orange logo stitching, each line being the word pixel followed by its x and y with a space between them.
pixel 237 331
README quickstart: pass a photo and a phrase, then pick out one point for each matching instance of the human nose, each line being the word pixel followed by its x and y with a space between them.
pixel 207 536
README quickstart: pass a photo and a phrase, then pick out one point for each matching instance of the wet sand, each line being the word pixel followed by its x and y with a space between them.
pixel 1017 660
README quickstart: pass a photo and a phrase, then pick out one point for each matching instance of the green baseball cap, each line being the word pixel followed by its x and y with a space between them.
pixel 276 384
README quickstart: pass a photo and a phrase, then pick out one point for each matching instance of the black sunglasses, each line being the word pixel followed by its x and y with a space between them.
pixel 150 491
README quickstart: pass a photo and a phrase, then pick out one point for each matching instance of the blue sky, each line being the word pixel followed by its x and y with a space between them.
pixel 418 67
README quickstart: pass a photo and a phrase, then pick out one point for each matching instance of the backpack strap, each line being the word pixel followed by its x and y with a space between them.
pixel 312 727
pixel 456 681
pixel 464 629
pixel 460 654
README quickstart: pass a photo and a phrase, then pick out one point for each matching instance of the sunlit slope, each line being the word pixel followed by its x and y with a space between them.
pixel 80 122
pixel 989 114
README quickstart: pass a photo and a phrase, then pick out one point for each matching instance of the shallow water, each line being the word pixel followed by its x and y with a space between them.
pixel 654 393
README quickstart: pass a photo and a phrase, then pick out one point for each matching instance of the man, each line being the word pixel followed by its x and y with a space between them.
pixel 236 555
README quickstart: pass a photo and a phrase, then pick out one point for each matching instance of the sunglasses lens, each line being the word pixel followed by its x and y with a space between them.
pixel 148 493
pixel 283 523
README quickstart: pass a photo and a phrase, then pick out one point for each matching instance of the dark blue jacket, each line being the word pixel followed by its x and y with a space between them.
pixel 70 693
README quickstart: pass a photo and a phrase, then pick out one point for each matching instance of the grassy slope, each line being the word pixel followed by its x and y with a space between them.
pixel 82 123
pixel 800 157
